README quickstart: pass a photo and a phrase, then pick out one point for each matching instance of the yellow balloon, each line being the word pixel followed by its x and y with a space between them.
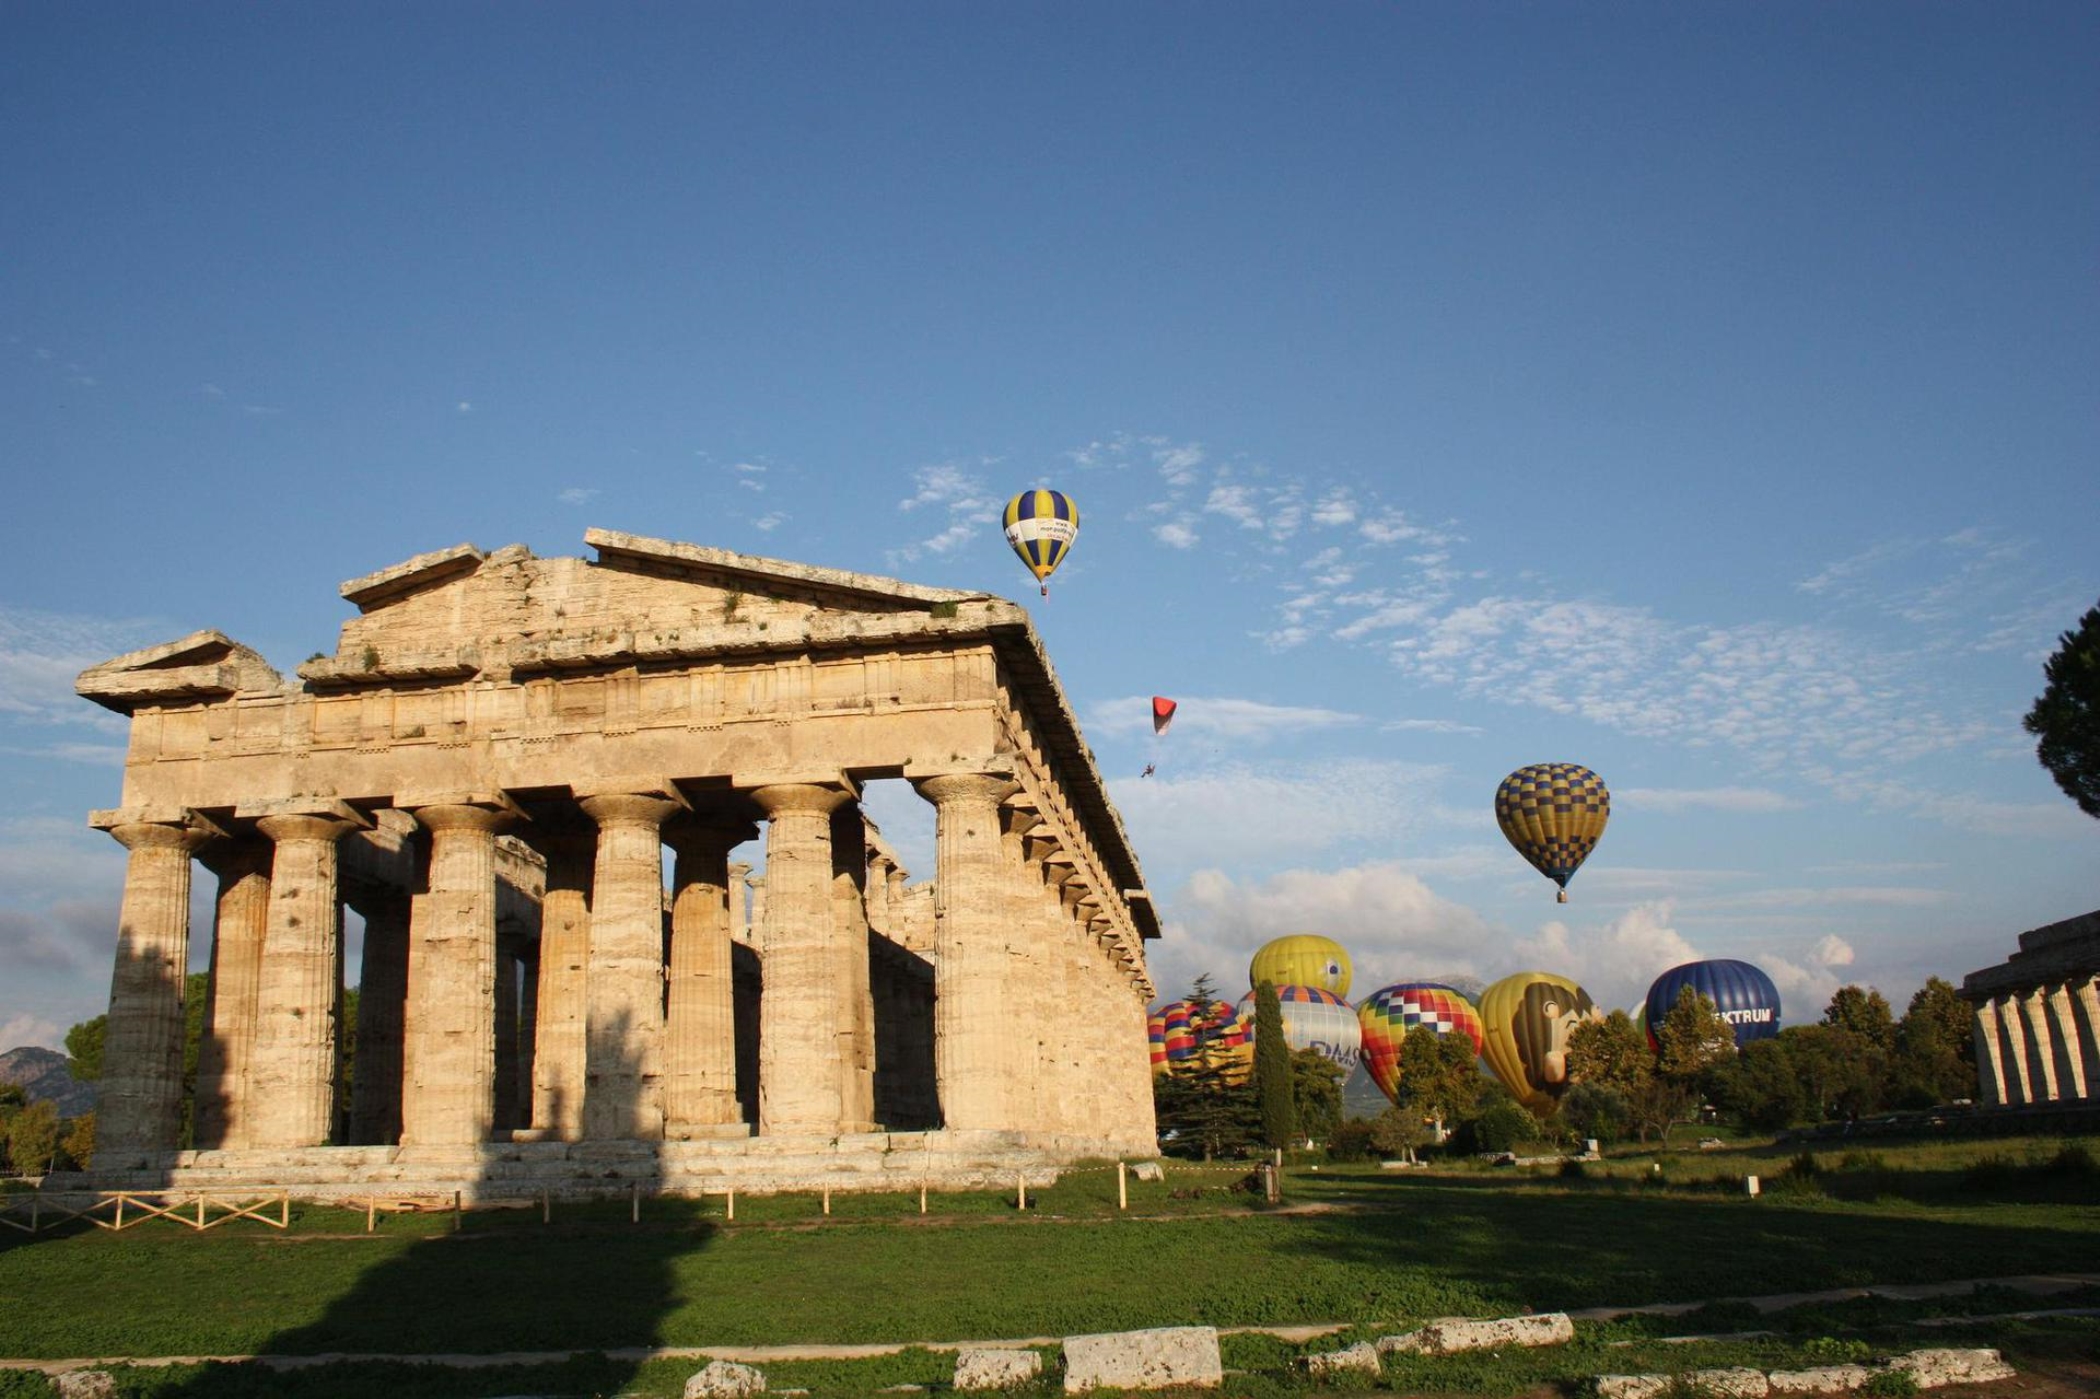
pixel 1526 1020
pixel 1303 959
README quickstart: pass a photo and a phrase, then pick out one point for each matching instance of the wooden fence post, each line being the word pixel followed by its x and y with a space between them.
pixel 1122 1186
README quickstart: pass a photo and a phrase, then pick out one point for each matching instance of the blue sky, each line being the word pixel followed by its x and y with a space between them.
pixel 1702 394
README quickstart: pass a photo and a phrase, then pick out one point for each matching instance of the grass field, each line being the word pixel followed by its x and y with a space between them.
pixel 1373 1248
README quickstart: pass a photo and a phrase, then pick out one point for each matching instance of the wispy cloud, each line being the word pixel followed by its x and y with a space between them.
pixel 951 492
pixel 770 521
pixel 1217 718
pixel 1176 534
pixel 1756 800
pixel 578 495
pixel 42 652
pixel 1430 726
pixel 260 410
pixel 463 407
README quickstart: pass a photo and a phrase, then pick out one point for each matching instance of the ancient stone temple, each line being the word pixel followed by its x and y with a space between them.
pixel 490 769
pixel 2037 1027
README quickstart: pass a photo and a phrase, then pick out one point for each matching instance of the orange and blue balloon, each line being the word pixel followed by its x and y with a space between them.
pixel 1387 1016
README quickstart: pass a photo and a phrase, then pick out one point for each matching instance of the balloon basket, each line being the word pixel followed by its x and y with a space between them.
pixel 1561 897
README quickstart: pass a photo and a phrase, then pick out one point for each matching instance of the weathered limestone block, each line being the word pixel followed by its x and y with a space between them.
pixel 1184 1356
pixel 1360 1358
pixel 725 1379
pixel 1448 1335
pixel 1824 1379
pixel 85 1384
pixel 1735 1382
pixel 995 1369
pixel 1149 1170
pixel 1631 1386
pixel 1937 1368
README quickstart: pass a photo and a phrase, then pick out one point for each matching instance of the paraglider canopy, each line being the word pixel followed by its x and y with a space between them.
pixel 1040 526
pixel 1162 713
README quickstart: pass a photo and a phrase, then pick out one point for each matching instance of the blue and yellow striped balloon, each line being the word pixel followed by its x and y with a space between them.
pixel 1553 813
pixel 1041 525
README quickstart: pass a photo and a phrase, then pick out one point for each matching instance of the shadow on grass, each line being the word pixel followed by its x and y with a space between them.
pixel 593 1280
pixel 1549 1248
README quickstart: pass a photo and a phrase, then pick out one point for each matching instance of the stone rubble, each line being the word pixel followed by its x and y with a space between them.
pixel 1824 1379
pixel 995 1369
pixel 85 1384
pixel 1165 1358
pixel 1929 1369
pixel 725 1379
pixel 1361 1357
pixel 1937 1368
pixel 1449 1335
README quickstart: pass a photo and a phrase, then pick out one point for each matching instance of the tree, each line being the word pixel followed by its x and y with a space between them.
pixel 1272 1070
pixel 32 1138
pixel 1199 1105
pixel 79 1142
pixel 1932 1063
pixel 1612 1055
pixel 84 1046
pixel 1316 1093
pixel 1396 1133
pixel 1692 1042
pixel 1437 1076
pixel 1865 1012
pixel 2065 720
pixel 1842 1073
pixel 1762 1088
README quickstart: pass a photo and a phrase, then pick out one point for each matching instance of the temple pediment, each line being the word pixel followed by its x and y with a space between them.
pixel 456 612
pixel 203 665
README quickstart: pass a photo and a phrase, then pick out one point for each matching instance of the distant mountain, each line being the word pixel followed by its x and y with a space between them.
pixel 42 1072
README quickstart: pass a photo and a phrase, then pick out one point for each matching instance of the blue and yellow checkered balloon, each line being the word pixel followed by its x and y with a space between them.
pixel 1553 813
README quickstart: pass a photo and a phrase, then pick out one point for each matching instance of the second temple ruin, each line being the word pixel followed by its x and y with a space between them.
pixel 489 770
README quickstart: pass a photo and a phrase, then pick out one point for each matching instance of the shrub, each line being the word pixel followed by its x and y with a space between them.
pixel 1830 1350
pixel 1503 1127
pixel 1991 1174
pixel 1574 1170
pixel 1891 1384
pixel 1350 1141
pixel 2075 1161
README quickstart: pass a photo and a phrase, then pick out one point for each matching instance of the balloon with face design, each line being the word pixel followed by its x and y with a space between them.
pixel 1526 1020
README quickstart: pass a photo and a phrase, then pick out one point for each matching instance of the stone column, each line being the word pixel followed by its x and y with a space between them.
pixel 969 950
pixel 700 1004
pixel 448 1096
pixel 140 1107
pixel 1990 1058
pixel 2063 1030
pixel 508 940
pixel 800 1080
pixel 740 902
pixel 2041 1049
pixel 2085 1010
pixel 240 920
pixel 382 1003
pixel 2019 1086
pixel 623 1096
pixel 856 992
pixel 292 1069
pixel 565 934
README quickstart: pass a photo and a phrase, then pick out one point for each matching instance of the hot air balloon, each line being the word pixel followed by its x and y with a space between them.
pixel 1186 1038
pixel 1387 1015
pixel 1313 1019
pixel 1553 814
pixel 1156 1035
pixel 1526 1020
pixel 1745 996
pixel 1041 525
pixel 1302 959
pixel 1162 713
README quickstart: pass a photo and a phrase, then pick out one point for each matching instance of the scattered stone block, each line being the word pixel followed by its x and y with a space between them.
pixel 725 1379
pixel 1824 1379
pixel 1735 1382
pixel 1935 1369
pixel 1631 1386
pixel 1149 1170
pixel 85 1384
pixel 1359 1358
pixel 995 1369
pixel 1170 1356
pixel 1449 1335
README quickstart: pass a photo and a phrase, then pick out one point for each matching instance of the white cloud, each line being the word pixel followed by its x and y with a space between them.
pixel 211 391
pixel 1432 726
pixel 578 495
pixel 30 1032
pixel 1832 951
pixel 1394 925
pixel 41 653
pixel 1756 800
pixel 1176 534
pixel 1235 503
pixel 767 523
pixel 1177 464
pixel 463 407
pixel 1216 718
pixel 1242 817
pixel 1806 986
pixel 1614 962
pixel 969 505
pixel 1334 509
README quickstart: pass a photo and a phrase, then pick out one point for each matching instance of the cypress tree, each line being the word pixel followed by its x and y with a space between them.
pixel 1272 1069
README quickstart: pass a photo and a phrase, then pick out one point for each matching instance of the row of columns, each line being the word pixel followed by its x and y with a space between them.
pixel 629 1038
pixel 2041 1045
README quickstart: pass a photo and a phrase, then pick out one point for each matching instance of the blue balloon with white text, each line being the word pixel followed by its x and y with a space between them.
pixel 1745 997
